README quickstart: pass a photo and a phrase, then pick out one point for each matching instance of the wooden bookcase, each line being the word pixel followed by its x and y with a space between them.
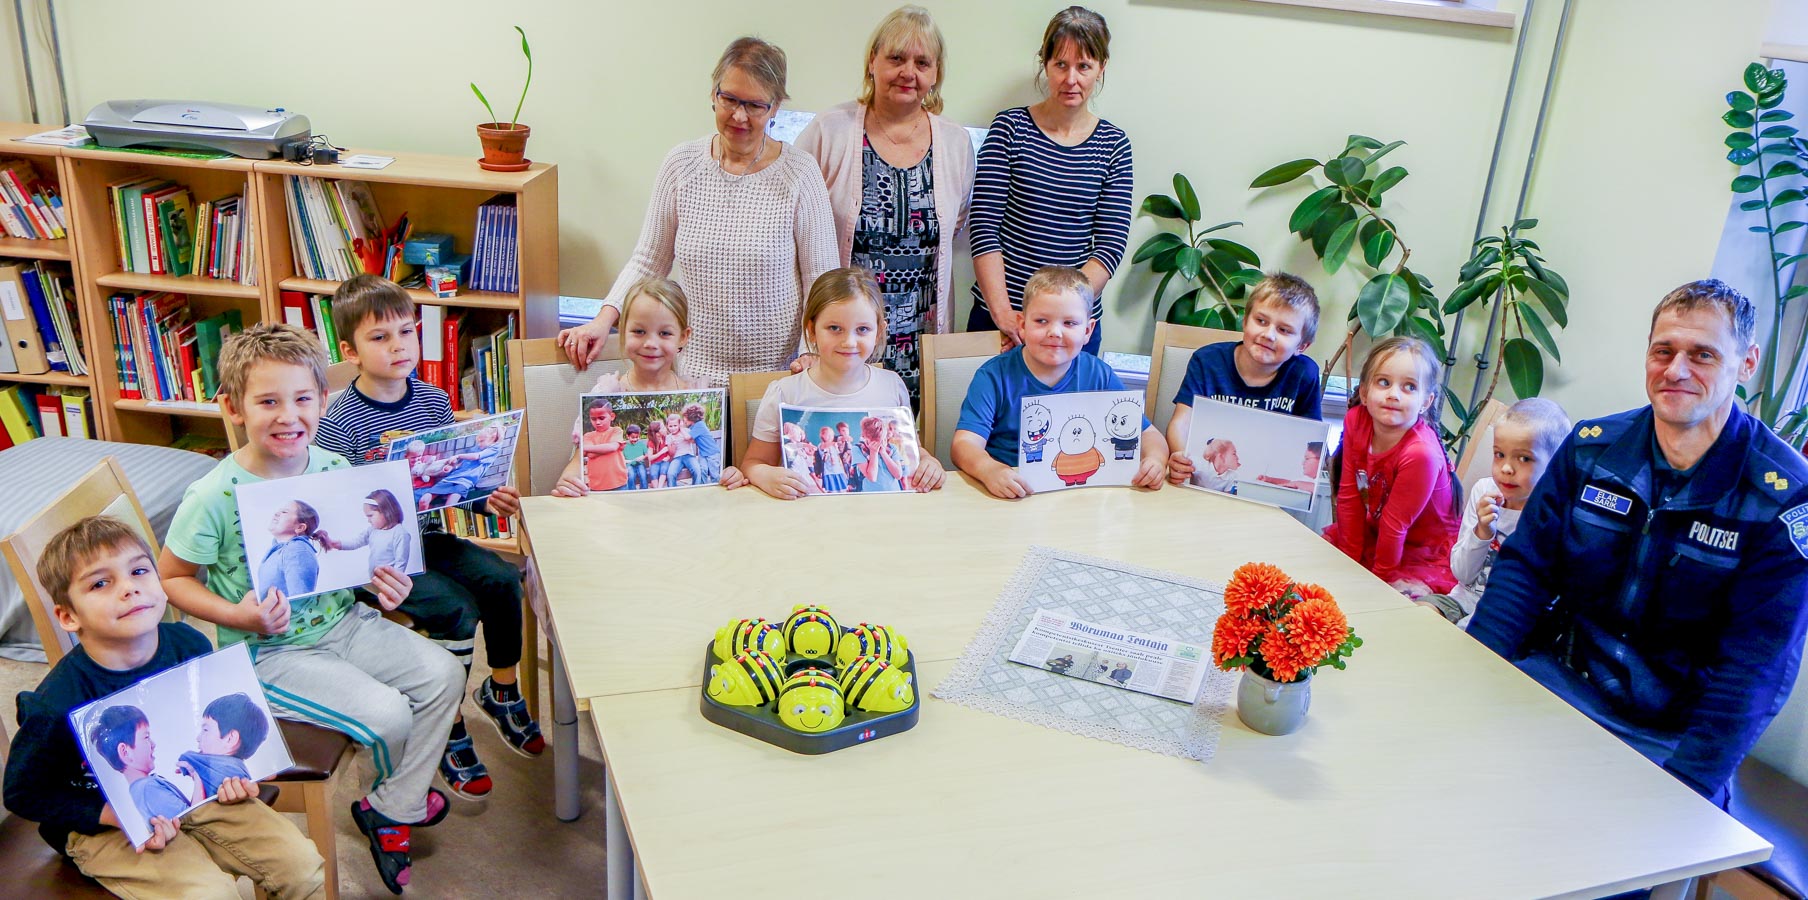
pixel 439 194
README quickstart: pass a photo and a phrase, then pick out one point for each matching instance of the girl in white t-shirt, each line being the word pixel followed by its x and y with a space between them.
pixel 843 322
pixel 655 326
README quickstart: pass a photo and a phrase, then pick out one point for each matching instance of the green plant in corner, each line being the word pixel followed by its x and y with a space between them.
pixel 1759 134
pixel 1509 267
pixel 513 122
pixel 1345 215
pixel 1215 273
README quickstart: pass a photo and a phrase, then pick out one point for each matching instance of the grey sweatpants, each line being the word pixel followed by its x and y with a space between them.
pixel 384 686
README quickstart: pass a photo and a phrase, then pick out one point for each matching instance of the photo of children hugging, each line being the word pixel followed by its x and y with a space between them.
pixel 856 451
pixel 461 463
pixel 1255 454
pixel 648 440
pixel 330 530
pixel 164 745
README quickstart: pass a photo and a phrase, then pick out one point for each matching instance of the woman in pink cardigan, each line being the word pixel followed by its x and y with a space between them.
pixel 899 179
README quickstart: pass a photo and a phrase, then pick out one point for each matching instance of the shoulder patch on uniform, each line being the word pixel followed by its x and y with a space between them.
pixel 1776 481
pixel 1606 500
pixel 1589 431
pixel 1796 522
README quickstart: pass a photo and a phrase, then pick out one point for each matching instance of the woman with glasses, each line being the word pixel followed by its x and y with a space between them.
pixel 1053 186
pixel 899 178
pixel 745 218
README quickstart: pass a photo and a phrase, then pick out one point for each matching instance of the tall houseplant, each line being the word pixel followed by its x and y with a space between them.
pixel 1761 141
pixel 1508 267
pixel 1215 273
pixel 505 145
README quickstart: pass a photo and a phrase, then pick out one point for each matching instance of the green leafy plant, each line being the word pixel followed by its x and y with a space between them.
pixel 1758 136
pixel 1215 273
pixel 1344 216
pixel 525 51
pixel 1508 268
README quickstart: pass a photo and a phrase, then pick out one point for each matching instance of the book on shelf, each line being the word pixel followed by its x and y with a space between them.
pixel 210 337
pixel 223 247
pixel 16 410
pixel 30 208
pixel 19 315
pixel 489 374
pixel 493 263
pixel 464 523
pixel 313 312
pixel 39 298
pixel 28 412
pixel 336 229
pixel 157 342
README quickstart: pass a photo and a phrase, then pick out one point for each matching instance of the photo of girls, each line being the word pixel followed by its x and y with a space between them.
pixel 461 463
pixel 326 531
pixel 651 440
pixel 855 451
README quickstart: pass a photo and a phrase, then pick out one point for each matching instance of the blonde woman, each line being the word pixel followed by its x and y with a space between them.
pixel 899 178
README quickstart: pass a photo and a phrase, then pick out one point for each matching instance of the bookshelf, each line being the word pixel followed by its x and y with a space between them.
pixel 438 193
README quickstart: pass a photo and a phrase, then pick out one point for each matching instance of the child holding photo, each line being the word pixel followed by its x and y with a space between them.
pixel 655 327
pixel 389 545
pixel 290 565
pixel 843 321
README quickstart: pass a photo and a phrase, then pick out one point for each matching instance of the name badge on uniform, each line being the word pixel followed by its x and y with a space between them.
pixel 1607 500
pixel 1796 521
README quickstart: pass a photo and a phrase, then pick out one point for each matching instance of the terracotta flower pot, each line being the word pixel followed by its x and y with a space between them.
pixel 504 146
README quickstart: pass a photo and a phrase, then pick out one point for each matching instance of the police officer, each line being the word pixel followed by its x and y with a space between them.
pixel 1658 578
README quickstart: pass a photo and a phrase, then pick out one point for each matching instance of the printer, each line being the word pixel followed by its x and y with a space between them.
pixel 245 131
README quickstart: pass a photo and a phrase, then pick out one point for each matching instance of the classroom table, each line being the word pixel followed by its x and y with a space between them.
pixel 1431 768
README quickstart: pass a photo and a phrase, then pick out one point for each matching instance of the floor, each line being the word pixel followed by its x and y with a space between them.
pixel 507 846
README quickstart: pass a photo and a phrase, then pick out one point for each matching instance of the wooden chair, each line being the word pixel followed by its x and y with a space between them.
pixel 1477 461
pixel 317 752
pixel 339 376
pixel 1174 346
pixel 949 364
pixel 744 393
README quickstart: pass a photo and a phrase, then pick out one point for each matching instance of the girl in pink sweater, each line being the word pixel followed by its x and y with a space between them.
pixel 1396 510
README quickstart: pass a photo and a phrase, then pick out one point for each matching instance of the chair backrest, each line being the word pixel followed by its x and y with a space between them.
pixel 1174 346
pixel 1477 460
pixel 339 376
pixel 103 490
pixel 542 380
pixel 745 389
pixel 949 364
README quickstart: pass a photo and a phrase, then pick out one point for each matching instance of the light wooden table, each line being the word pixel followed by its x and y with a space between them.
pixel 1430 769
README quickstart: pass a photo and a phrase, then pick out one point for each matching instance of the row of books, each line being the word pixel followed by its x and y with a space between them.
pixel 153 226
pixel 467 524
pixel 313 312
pixel 223 245
pixel 494 266
pixel 55 411
pixel 29 207
pixel 37 306
pixel 446 346
pixel 162 352
pixel 335 228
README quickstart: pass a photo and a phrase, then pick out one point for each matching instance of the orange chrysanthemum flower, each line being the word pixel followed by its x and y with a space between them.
pixel 1284 658
pixel 1233 635
pixel 1253 586
pixel 1315 628
pixel 1308 591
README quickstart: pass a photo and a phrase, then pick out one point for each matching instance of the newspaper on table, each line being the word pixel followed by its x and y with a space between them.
pixel 1144 663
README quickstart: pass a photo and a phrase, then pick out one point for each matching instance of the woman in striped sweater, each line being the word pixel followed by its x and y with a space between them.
pixel 1054 182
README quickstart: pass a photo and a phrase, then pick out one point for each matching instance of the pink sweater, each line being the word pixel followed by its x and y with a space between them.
pixel 834 139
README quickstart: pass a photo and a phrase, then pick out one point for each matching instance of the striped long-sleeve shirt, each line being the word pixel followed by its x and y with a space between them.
pixel 1042 204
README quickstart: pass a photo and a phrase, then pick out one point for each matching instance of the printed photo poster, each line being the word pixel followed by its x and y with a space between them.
pixel 1268 457
pixel 1084 439
pixel 849 451
pixel 326 531
pixel 461 463
pixel 652 440
pixel 162 746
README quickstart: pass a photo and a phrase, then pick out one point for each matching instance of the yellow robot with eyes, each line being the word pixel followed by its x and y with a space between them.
pixel 810 702
pixel 871 684
pixel 747 636
pixel 873 640
pixel 810 632
pixel 750 679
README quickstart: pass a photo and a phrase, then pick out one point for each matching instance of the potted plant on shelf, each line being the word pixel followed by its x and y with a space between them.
pixel 1278 632
pixel 505 145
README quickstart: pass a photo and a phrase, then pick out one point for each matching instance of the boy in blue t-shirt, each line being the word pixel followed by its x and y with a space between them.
pixel 1268 370
pixel 1057 303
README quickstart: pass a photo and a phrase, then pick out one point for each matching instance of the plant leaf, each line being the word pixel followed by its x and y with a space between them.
pixel 1553 303
pixel 1774 115
pixel 1752 205
pixel 1161 205
pixel 1781 168
pixel 1360 142
pixel 483 100
pixel 529 53
pixel 1790 195
pixel 1237 251
pixel 1184 307
pixel 1745 184
pixel 1535 326
pixel 1736 119
pixel 1344 171
pixel 1334 216
pixel 1337 249
pixel 1778 131
pixel 1186 262
pixel 1741 100
pixel 1309 209
pixel 1284 173
pixel 1156 243
pixel 1761 80
pixel 1525 367
pixel 1376 248
pixel 1189 201
pixel 1471 291
pixel 1382 303
pixel 1742 156
pixel 1556 283
pixel 1524 224
pixel 1738 140
pixel 1162 288
pixel 1219 227
pixel 1424 330
pixel 1384 181
pixel 1787 227
pixel 1791 260
pixel 1383 151
pixel 1795 292
pixel 1164 261
pixel 1779 148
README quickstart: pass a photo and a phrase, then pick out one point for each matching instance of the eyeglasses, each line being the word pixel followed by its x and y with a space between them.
pixel 754 109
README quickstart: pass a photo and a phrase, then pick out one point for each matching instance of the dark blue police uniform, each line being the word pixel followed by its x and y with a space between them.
pixel 1668 608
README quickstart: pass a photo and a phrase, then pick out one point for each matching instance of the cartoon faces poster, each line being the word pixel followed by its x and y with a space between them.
pixel 1085 439
pixel 1267 457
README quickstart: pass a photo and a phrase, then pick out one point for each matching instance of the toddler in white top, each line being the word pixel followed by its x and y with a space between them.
pixel 1525 439
pixel 389 544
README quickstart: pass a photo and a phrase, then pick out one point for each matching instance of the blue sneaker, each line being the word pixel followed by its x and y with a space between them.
pixel 461 770
pixel 512 720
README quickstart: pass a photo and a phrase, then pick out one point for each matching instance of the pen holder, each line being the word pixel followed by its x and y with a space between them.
pixel 762 721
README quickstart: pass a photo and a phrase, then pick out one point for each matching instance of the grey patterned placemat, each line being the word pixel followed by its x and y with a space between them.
pixel 1110 593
